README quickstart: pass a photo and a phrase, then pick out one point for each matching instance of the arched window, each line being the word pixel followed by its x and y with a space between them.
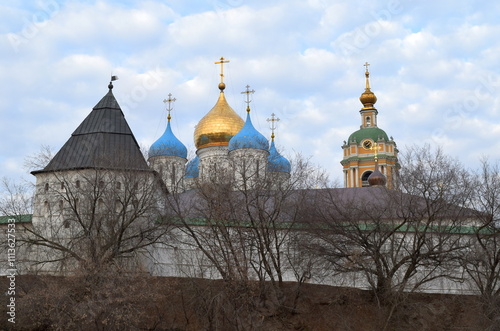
pixel 368 121
pixel 173 175
pixel 46 208
pixel 46 188
pixel 118 185
pixel 77 184
pixel 100 204
pixel 364 178
pixel 62 185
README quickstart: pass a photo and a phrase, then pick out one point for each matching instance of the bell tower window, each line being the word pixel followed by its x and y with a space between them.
pixel 368 121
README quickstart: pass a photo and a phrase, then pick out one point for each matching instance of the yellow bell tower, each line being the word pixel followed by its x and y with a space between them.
pixel 368 146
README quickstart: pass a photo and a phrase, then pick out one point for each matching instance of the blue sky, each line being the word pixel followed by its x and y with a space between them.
pixel 434 68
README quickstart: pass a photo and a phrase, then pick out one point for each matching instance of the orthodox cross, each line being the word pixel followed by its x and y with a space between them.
pixel 367 74
pixel 221 62
pixel 169 107
pixel 366 66
pixel 376 147
pixel 272 124
pixel 248 92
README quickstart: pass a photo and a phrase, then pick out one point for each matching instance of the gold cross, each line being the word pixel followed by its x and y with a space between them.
pixel 169 107
pixel 366 66
pixel 221 62
pixel 272 124
pixel 376 147
pixel 248 92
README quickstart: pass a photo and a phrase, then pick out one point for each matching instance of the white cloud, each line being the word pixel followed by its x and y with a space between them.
pixel 433 67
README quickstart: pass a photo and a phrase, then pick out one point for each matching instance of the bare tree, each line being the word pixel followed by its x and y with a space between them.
pixel 244 225
pixel 481 261
pixel 85 219
pixel 39 160
pixel 94 218
pixel 16 198
pixel 394 241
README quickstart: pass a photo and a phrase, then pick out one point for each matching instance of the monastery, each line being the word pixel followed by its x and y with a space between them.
pixel 99 178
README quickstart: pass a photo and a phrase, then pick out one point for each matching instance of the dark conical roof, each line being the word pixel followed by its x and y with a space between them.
pixel 102 140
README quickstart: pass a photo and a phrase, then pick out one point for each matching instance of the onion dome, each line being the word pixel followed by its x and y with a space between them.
pixel 276 162
pixel 219 125
pixel 192 168
pixel 377 178
pixel 248 137
pixel 168 145
pixel 367 98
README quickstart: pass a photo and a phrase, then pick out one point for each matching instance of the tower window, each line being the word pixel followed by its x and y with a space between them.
pixel 100 204
pixel 173 175
pixel 46 208
pixel 46 188
pixel 368 121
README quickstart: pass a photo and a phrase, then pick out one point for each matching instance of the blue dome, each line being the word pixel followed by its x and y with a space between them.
pixel 192 168
pixel 248 137
pixel 276 162
pixel 168 144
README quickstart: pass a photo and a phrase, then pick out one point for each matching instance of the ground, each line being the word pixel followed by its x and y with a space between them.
pixel 141 302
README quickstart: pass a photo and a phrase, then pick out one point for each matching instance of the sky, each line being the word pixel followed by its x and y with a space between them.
pixel 434 67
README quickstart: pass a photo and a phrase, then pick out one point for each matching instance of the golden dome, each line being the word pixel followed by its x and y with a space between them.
pixel 367 98
pixel 218 126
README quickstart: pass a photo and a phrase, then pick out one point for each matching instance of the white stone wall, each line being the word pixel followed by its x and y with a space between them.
pixel 214 163
pixel 171 169
pixel 249 166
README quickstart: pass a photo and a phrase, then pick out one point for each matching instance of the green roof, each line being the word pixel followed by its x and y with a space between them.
pixel 200 221
pixel 17 219
pixel 368 133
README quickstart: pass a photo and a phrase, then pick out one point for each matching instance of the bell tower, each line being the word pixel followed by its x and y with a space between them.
pixel 368 146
